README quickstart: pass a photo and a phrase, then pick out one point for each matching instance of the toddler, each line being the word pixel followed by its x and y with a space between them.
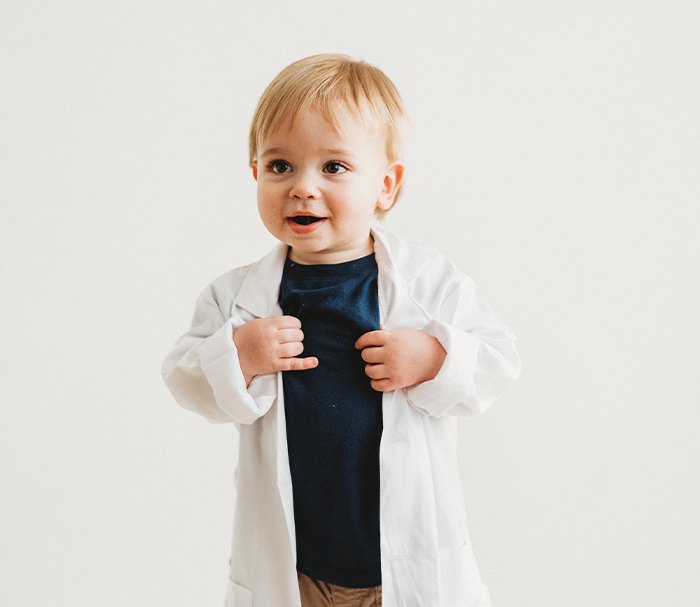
pixel 343 357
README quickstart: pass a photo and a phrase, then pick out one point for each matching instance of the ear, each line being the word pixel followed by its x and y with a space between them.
pixel 392 180
pixel 254 166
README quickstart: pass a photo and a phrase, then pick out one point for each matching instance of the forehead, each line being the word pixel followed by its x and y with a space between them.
pixel 334 122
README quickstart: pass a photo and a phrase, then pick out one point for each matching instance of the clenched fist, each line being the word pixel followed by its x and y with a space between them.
pixel 398 359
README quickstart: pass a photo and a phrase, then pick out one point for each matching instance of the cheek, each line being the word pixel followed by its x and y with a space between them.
pixel 356 199
pixel 267 194
pixel 266 206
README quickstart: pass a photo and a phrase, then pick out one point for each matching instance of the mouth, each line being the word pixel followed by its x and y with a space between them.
pixel 305 225
pixel 305 220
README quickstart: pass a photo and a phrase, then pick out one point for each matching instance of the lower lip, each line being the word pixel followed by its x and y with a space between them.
pixel 305 229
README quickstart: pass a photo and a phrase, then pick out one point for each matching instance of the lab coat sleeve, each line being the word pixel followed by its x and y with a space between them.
pixel 481 357
pixel 203 372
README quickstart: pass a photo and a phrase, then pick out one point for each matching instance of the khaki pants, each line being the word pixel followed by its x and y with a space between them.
pixel 320 594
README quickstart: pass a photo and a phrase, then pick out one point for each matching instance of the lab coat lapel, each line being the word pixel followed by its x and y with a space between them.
pixel 259 292
pixel 399 309
pixel 259 295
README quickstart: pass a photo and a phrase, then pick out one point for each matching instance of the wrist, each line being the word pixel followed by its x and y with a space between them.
pixel 248 374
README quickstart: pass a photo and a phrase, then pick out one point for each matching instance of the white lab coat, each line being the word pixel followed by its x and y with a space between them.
pixel 426 556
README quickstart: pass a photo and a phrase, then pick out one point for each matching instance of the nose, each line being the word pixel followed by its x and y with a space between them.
pixel 304 187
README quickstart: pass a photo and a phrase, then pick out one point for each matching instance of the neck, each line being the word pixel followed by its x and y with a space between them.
pixel 333 256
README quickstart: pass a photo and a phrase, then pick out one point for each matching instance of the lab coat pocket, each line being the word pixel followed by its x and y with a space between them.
pixel 238 596
pixel 461 579
pixel 411 581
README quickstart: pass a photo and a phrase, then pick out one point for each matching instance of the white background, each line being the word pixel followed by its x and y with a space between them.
pixel 555 157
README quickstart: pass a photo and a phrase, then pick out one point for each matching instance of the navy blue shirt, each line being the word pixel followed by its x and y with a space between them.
pixel 334 423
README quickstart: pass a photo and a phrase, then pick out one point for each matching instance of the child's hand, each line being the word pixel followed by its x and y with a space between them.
pixel 268 345
pixel 397 359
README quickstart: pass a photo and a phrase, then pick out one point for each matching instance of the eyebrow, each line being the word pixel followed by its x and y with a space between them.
pixel 338 152
pixel 271 151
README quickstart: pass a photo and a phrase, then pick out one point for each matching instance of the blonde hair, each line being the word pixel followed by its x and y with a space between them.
pixel 326 83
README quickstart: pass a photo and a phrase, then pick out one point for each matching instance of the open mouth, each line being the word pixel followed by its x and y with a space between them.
pixel 305 220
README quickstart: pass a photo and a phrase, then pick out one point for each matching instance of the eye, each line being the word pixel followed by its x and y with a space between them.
pixel 335 168
pixel 279 166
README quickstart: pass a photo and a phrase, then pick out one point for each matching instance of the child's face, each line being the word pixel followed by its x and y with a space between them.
pixel 318 188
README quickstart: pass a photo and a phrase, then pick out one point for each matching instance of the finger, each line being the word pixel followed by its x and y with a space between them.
pixel 287 322
pixel 376 371
pixel 382 385
pixel 373 354
pixel 382 327
pixel 373 338
pixel 284 336
pixel 290 350
pixel 299 364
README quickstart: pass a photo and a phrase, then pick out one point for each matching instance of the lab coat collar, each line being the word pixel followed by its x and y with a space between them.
pixel 259 293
